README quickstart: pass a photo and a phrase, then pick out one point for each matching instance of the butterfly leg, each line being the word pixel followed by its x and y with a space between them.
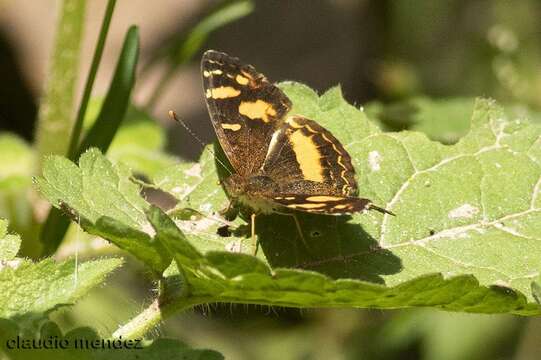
pixel 298 226
pixel 230 213
pixel 255 241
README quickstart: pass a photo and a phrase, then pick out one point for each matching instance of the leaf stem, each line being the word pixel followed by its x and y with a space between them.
pixel 142 323
pixel 76 133
pixel 156 312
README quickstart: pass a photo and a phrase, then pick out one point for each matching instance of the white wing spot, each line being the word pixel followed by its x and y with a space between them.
pixel 464 211
pixel 374 159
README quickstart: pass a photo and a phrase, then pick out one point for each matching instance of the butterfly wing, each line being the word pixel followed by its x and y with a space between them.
pixel 244 107
pixel 305 158
pixel 313 170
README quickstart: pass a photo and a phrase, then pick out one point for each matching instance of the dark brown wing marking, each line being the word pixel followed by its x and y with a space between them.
pixel 244 107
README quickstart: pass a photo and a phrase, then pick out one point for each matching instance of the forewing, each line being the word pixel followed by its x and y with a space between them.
pixel 306 159
pixel 245 109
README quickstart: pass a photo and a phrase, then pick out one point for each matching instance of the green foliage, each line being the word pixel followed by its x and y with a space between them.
pixel 96 59
pixel 115 103
pixel 464 237
pixel 139 142
pixel 28 291
pixel 103 196
pixel 103 129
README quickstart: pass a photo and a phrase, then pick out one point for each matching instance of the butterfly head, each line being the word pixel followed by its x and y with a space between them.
pixel 251 191
pixel 238 186
pixel 234 185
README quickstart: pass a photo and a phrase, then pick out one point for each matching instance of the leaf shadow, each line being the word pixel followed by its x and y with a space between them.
pixel 332 246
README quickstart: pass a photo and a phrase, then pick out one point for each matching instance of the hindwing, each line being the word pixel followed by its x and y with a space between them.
pixel 305 158
pixel 326 204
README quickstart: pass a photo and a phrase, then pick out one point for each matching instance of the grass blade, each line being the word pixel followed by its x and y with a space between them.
pixel 76 133
pixel 55 111
pixel 117 99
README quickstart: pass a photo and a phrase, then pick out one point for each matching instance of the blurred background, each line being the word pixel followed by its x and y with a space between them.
pixel 394 58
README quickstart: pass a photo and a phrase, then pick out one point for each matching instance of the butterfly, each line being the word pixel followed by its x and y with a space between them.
pixel 281 162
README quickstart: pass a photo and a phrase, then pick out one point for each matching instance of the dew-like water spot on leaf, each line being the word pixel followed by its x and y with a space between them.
pixel 374 159
pixel 194 171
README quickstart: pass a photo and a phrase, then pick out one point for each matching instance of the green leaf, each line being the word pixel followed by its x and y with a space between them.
pixel 469 208
pixel 101 197
pixel 464 238
pixel 443 120
pixel 9 243
pixel 32 289
pixel 85 343
pixel 55 111
pixel 29 290
pixel 233 277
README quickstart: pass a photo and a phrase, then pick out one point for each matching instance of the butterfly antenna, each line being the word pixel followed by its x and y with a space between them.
pixel 173 116
pixel 381 210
